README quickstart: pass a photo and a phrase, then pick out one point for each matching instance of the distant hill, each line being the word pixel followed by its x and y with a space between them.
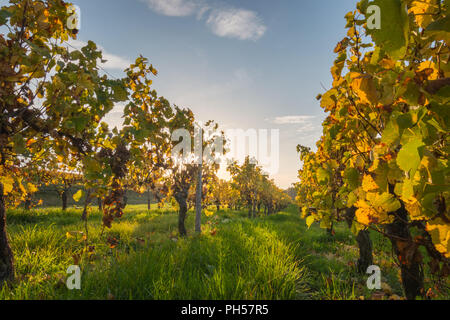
pixel 51 198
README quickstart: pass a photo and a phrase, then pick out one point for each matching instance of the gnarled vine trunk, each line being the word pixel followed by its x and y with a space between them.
pixel 87 201
pixel 364 243
pixel 64 199
pixel 330 230
pixel 365 251
pixel 181 198
pixel 99 203
pixel 407 253
pixel 125 200
pixel 149 200
pixel 6 255
pixel 27 204
pixel 198 200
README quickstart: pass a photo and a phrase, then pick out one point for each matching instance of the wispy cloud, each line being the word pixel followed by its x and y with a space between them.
pixel 115 117
pixel 113 62
pixel 308 127
pixel 236 23
pixel 175 8
pixel 305 126
pixel 223 20
pixel 294 119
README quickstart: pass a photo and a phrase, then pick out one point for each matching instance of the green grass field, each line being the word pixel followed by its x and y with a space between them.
pixel 273 257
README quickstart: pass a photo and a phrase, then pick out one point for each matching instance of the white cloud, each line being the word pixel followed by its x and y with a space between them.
pixel 113 62
pixel 236 23
pixel 222 20
pixel 114 117
pixel 305 127
pixel 294 120
pixel 175 8
pixel 308 128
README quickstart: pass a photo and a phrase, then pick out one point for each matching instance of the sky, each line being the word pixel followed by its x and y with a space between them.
pixel 245 64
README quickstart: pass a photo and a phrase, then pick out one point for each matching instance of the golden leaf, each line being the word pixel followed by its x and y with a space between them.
pixel 8 184
pixel 364 216
pixel 440 234
pixel 431 66
pixel 423 10
pixel 369 184
pixel 365 88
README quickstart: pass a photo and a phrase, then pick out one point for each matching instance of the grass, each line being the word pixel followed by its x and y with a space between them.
pixel 235 258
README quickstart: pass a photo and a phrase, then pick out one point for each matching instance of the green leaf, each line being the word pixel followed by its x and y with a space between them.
pixel 382 176
pixel 352 199
pixel 325 223
pixel 441 25
pixel 410 156
pixel 4 15
pixel 405 121
pixel 328 99
pixel 19 144
pixel 120 93
pixel 80 123
pixel 392 36
pixel 388 202
pixel 391 133
pixel 443 95
pixel 351 177
pixel 322 175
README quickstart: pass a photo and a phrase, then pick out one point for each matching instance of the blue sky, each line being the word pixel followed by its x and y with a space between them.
pixel 246 64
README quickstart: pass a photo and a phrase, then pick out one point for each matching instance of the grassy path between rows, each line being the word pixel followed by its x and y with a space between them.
pixel 273 257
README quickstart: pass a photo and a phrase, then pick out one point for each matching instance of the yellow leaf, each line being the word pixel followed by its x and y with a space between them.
pixel 77 196
pixel 309 221
pixel 369 184
pixel 376 209
pixel 365 88
pixel 304 212
pixel 32 188
pixel 387 63
pixel 440 234
pixel 423 10
pixel 414 209
pixel 8 184
pixel 429 65
pixel 364 216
